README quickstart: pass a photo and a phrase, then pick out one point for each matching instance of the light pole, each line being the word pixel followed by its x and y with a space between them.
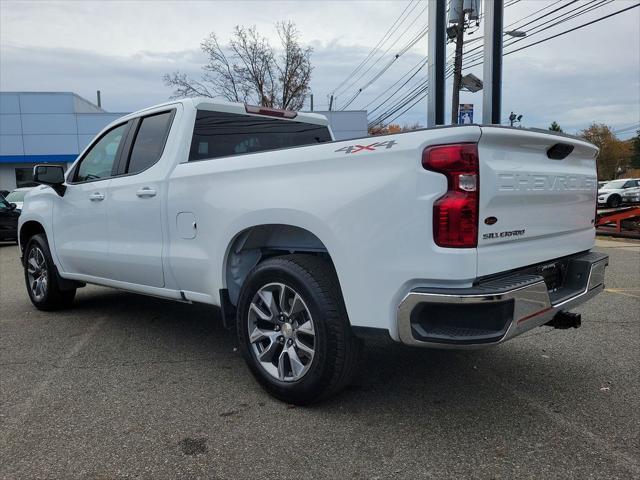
pixel 436 62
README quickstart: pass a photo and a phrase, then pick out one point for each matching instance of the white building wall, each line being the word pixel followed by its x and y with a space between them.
pixel 347 124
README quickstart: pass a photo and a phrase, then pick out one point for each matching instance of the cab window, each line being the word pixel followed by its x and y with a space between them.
pixel 149 142
pixel 98 161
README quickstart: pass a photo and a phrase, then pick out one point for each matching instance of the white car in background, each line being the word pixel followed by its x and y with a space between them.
pixel 611 193
pixel 17 196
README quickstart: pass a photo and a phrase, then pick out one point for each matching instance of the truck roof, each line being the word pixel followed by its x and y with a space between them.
pixel 206 103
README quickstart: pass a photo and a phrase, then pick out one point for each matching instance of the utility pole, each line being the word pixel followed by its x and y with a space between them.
pixel 457 65
pixel 311 102
pixel 436 62
pixel 331 103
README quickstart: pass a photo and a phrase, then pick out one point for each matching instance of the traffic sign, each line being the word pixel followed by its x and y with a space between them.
pixel 465 115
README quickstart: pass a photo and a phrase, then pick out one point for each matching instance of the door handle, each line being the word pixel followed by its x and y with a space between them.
pixel 146 192
pixel 96 197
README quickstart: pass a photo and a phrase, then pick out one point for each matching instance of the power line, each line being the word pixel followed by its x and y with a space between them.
pixel 398 103
pixel 420 66
pixel 385 68
pixel 588 7
pixel 403 50
pixel 564 32
pixel 373 50
pixel 541 41
pixel 406 48
pixel 574 29
pixel 404 18
pixel 532 14
pixel 628 129
pixel 469 57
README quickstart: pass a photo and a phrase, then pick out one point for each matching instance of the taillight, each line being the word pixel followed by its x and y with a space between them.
pixel 455 215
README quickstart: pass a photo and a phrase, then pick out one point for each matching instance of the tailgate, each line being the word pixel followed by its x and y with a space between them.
pixel 533 208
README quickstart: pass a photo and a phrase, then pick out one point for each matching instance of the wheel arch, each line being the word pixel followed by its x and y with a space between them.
pixel 27 230
pixel 614 197
pixel 256 243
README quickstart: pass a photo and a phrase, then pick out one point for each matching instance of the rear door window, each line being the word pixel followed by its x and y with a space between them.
pixel 149 141
pixel 219 134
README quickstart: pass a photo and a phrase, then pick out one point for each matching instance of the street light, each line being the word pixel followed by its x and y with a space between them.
pixel 516 33
pixel 471 83
pixel 513 118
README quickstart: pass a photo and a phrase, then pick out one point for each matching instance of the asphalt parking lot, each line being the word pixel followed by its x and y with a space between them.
pixel 125 386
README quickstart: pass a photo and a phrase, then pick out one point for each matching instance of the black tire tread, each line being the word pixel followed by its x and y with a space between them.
pixel 325 276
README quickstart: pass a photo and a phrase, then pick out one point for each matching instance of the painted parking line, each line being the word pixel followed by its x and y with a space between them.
pixel 625 291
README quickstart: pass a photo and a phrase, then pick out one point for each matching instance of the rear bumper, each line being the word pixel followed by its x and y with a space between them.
pixel 498 309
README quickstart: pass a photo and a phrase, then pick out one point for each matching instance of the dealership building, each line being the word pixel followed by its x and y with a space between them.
pixel 44 127
pixel 54 127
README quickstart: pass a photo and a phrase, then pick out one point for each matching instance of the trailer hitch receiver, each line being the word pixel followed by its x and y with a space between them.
pixel 564 320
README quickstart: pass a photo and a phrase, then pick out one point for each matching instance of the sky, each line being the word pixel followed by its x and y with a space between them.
pixel 123 48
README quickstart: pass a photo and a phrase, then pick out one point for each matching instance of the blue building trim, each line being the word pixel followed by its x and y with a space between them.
pixel 37 158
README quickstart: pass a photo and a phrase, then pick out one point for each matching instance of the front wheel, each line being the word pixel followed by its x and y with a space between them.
pixel 293 329
pixel 614 201
pixel 41 278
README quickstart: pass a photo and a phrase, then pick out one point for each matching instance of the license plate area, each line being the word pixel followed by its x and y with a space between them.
pixel 553 273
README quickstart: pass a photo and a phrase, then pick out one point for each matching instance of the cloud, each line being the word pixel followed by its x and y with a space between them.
pixel 123 49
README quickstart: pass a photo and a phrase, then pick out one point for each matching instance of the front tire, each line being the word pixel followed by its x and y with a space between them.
pixel 614 201
pixel 41 277
pixel 293 329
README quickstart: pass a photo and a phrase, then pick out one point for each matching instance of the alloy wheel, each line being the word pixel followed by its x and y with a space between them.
pixel 281 332
pixel 37 273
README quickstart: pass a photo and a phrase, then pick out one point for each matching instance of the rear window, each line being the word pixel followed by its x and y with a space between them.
pixel 614 185
pixel 219 134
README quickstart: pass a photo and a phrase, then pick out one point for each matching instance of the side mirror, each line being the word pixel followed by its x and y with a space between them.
pixel 12 206
pixel 52 175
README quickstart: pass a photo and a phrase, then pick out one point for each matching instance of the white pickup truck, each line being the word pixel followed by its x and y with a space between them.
pixel 450 237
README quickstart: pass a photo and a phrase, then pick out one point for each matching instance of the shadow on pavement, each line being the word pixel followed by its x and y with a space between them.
pixel 474 385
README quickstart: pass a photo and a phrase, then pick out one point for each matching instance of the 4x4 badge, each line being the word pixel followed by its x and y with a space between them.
pixel 371 147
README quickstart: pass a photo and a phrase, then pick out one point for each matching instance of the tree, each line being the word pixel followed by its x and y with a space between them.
pixel 385 129
pixel 555 127
pixel 614 154
pixel 250 70
pixel 635 154
pixel 393 128
pixel 409 127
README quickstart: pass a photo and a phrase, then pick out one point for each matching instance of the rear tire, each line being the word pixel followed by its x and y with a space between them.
pixel 293 329
pixel 41 277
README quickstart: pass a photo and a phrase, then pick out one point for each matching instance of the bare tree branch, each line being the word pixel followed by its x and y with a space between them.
pixel 249 70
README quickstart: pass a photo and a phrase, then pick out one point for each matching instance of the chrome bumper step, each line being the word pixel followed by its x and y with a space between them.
pixel 496 309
